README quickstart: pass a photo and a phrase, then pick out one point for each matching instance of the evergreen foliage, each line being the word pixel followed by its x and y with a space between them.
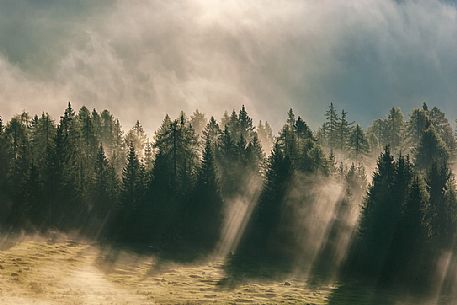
pixel 171 194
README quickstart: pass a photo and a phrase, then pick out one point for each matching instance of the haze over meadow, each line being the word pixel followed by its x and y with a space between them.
pixel 228 152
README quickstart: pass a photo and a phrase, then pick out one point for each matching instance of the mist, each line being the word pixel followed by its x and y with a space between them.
pixel 170 190
pixel 146 58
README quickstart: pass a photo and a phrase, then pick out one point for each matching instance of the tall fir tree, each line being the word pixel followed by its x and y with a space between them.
pixel 358 143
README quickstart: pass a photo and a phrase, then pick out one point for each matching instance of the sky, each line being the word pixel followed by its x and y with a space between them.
pixel 142 59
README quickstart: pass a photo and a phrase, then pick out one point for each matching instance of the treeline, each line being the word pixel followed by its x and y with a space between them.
pixel 407 225
pixel 171 193
pixel 84 174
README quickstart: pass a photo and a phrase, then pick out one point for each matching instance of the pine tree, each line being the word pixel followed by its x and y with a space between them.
pixel 34 209
pixel 106 132
pixel 418 122
pixel 137 136
pixel 173 177
pixel 203 217
pixel 405 264
pixel 86 150
pixel 42 139
pixel 64 174
pixel 132 180
pixel 431 149
pixel 344 131
pixel 265 136
pixel 302 130
pixel 290 118
pixel 443 128
pixel 358 143
pixel 255 155
pixel 395 132
pixel 227 155
pixel 233 125
pixel 96 122
pixel 132 194
pixel 442 206
pixel 4 169
pixel 148 155
pixel 330 127
pixel 212 133
pixel 225 119
pixel 198 122
pixel 105 187
pixel 245 125
pixel 262 233
pixel 118 151
pixel 378 221
pixel 16 136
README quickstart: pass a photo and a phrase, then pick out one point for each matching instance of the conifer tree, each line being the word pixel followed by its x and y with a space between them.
pixel 255 155
pixel 419 121
pixel 34 209
pixel 106 132
pixel 265 136
pixel 137 136
pixel 431 149
pixel 132 180
pixel 405 263
pixel 105 187
pixel 68 208
pixel 395 132
pixel 118 150
pixel 330 127
pixel 16 136
pixel 198 122
pixel 4 169
pixel 378 221
pixel 358 143
pixel 96 122
pixel 344 131
pixel 212 133
pixel 245 125
pixel 262 234
pixel 131 197
pixel 148 155
pixel 42 139
pixel 203 217
pixel 173 176
pixel 441 211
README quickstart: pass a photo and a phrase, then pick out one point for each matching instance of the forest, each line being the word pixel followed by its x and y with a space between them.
pixel 377 204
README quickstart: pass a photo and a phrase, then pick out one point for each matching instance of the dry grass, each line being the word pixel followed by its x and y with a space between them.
pixel 65 272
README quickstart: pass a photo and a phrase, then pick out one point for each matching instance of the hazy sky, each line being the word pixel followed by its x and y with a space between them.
pixel 144 58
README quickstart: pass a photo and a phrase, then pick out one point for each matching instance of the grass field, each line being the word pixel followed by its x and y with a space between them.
pixel 68 272
pixel 65 271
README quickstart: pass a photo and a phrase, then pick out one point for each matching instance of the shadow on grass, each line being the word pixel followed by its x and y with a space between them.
pixel 112 255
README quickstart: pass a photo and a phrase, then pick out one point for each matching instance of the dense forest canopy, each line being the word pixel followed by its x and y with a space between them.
pixel 302 198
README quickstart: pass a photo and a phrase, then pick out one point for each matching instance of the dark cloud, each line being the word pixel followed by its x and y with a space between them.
pixel 144 58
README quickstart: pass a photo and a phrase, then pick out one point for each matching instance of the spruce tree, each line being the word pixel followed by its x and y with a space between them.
pixel 138 137
pixel 442 207
pixel 265 136
pixel 431 149
pixel 358 143
pixel 104 190
pixel 344 131
pixel 198 122
pixel 330 127
pixel 378 222
pixel 203 217
pixel 131 197
pixel 395 133
pixel 16 136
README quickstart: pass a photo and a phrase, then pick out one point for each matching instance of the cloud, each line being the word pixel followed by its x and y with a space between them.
pixel 142 59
